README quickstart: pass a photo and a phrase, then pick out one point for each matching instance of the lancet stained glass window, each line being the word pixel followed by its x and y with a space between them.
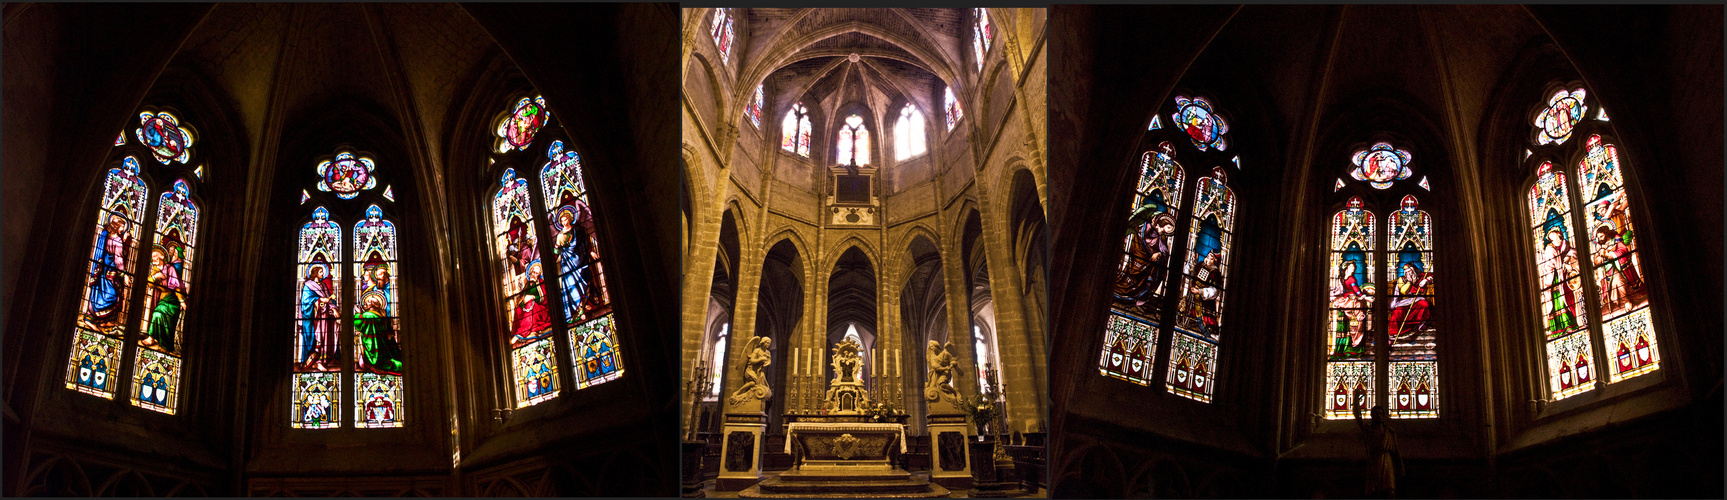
pixel 1199 318
pixel 317 386
pixel 853 142
pixel 951 106
pixel 722 33
pixel 157 368
pixel 1142 278
pixel 1349 360
pixel 581 283
pixel 100 326
pixel 981 35
pixel 795 131
pixel 1414 369
pixel 377 346
pixel 754 110
pixel 1597 307
pixel 527 313
pixel 908 136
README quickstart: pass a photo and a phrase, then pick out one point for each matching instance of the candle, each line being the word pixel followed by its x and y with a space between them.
pixel 794 362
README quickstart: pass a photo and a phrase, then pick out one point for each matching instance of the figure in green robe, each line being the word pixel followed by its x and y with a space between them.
pixel 378 347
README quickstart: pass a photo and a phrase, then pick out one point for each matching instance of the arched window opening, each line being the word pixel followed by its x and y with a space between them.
pixel 1595 308
pixel 795 131
pixel 981 35
pixel 908 137
pixel 104 319
pixel 1199 320
pixel 717 356
pixel 566 276
pixel 1149 302
pixel 951 106
pixel 371 325
pixel 853 142
pixel 722 33
pixel 1359 249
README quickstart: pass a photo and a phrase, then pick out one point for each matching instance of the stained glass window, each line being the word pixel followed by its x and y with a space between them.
pixel 377 345
pixel 1380 165
pixel 317 386
pixel 581 281
pixel 908 137
pixel 1555 123
pixel 1624 298
pixel 1349 361
pixel 1199 318
pixel 527 313
pixel 105 321
pixel 1196 117
pixel 722 33
pixel 1414 377
pixel 167 140
pixel 951 105
pixel 981 35
pixel 100 326
pixel 157 368
pixel 754 110
pixel 516 129
pixel 1142 278
pixel 346 175
pixel 1564 322
pixel 853 142
pixel 795 131
pixel 1608 288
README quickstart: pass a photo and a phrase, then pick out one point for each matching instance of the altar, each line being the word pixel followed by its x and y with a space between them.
pixel 850 449
pixel 829 445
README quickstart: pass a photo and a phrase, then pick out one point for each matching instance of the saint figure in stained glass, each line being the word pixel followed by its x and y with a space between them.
pixel 168 140
pixel 1196 117
pixel 1564 109
pixel 1380 165
pixel 346 175
pixel 517 130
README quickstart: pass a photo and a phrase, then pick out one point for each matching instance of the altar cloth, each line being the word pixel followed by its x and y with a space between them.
pixel 872 427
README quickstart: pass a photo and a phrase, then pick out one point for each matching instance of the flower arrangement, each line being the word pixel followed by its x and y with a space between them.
pixel 882 411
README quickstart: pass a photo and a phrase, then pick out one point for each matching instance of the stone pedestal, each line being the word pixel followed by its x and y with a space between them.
pixel 741 453
pixel 997 477
pixel 947 447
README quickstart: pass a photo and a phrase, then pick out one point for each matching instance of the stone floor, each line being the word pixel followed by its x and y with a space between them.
pixel 708 490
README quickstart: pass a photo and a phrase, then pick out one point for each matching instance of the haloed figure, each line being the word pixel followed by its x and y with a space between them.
pixel 165 295
pixel 380 350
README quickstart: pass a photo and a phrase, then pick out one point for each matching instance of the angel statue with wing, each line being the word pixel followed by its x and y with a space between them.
pixel 755 379
pixel 941 366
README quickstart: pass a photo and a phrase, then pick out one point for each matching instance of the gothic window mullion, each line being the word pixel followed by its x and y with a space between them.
pixel 133 331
